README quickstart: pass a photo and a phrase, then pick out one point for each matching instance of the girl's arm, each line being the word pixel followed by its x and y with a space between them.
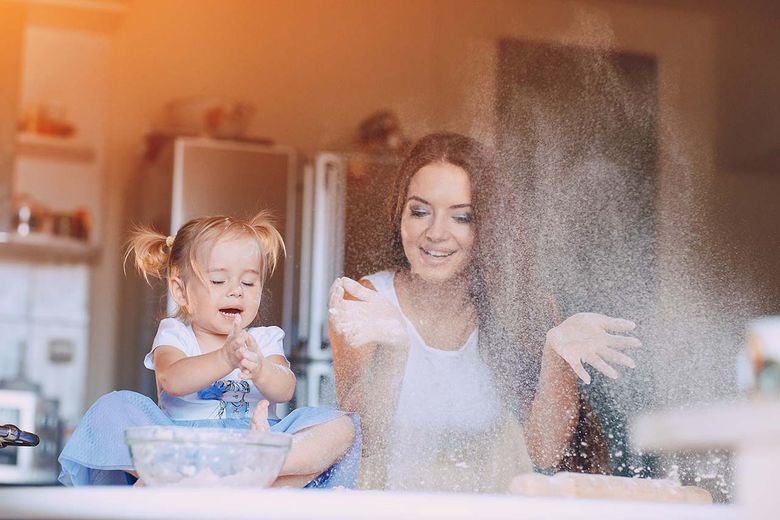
pixel 178 374
pixel 274 379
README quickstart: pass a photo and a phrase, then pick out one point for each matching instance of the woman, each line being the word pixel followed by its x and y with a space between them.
pixel 437 352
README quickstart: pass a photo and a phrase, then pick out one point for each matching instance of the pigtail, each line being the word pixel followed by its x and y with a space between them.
pixel 270 241
pixel 150 251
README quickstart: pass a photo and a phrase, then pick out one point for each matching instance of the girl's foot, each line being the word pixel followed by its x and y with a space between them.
pixel 260 417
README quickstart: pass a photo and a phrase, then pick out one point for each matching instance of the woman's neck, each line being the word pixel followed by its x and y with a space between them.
pixel 449 295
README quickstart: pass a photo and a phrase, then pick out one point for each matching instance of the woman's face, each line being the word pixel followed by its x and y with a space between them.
pixel 437 225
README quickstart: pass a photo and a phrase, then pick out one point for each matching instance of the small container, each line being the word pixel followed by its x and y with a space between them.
pixel 761 374
pixel 207 457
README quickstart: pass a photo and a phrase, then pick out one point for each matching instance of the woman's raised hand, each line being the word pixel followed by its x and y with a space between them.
pixel 367 319
pixel 585 337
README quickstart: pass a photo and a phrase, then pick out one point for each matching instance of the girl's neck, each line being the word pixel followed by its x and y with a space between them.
pixel 207 341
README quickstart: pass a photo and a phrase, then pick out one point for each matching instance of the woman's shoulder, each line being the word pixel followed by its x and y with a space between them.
pixel 379 281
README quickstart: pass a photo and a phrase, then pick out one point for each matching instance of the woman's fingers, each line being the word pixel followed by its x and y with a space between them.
pixel 602 366
pixel 617 324
pixel 615 341
pixel 613 356
pixel 358 290
pixel 576 365
pixel 336 294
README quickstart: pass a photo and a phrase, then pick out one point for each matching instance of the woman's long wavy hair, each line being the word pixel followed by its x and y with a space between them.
pixel 513 310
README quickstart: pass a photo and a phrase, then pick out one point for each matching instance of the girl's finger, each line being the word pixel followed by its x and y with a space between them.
pixel 236 326
pixel 602 366
pixel 251 343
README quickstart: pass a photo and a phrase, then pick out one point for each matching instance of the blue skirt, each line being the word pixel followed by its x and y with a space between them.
pixel 97 454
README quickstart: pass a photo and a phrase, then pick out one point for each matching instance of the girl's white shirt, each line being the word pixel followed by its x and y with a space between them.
pixel 174 333
pixel 448 404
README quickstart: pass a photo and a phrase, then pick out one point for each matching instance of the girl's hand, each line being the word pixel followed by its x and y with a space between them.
pixel 260 417
pixel 584 338
pixel 366 320
pixel 252 360
pixel 235 344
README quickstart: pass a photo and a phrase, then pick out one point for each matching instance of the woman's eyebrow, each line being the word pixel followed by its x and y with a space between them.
pixel 454 206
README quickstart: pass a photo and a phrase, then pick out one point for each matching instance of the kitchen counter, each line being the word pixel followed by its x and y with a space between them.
pixel 281 504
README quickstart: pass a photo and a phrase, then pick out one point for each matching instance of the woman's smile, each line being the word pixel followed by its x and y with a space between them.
pixel 437 226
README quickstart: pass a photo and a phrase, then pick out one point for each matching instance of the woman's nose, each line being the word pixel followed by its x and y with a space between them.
pixel 437 230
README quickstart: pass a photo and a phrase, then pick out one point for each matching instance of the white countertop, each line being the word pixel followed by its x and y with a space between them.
pixel 281 504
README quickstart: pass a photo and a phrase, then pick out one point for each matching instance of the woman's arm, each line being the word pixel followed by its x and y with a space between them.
pixel 581 338
pixel 369 362
pixel 554 411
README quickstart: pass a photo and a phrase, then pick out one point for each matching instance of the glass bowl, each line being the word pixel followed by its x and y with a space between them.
pixel 206 457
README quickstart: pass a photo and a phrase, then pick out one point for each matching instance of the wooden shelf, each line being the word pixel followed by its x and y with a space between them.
pixel 53 148
pixel 38 247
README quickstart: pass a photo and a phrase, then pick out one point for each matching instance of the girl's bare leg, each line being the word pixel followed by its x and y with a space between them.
pixel 314 450
pixel 260 417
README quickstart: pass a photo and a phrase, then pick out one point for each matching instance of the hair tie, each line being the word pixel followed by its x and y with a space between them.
pixel 169 241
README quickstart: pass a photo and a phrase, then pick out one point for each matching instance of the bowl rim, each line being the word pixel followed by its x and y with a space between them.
pixel 175 433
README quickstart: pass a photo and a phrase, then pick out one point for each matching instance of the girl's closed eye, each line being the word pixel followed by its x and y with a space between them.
pixel 217 282
pixel 248 283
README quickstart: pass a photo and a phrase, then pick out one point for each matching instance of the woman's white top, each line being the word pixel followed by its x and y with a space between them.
pixel 448 417
pixel 237 397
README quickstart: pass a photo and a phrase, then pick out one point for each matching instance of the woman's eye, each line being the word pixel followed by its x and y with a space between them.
pixel 465 218
pixel 418 212
pixel 217 282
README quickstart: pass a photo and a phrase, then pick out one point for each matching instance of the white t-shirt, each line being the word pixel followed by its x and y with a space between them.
pixel 449 416
pixel 238 397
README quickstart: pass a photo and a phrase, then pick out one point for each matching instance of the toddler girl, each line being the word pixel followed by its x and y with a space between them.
pixel 211 370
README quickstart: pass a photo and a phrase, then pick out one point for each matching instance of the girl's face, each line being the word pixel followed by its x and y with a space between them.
pixel 437 229
pixel 231 269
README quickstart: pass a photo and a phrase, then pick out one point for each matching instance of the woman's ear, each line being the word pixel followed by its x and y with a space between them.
pixel 179 291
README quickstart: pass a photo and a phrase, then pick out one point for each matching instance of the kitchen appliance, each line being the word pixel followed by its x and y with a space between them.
pixel 345 231
pixel 191 177
pixel 26 410
pixel 333 213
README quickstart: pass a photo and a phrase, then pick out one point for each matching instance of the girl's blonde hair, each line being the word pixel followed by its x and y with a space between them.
pixel 165 257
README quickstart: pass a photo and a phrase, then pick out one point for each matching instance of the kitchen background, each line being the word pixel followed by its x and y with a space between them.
pixel 85 98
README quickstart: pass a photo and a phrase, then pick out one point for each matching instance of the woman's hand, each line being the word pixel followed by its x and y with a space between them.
pixel 366 320
pixel 584 337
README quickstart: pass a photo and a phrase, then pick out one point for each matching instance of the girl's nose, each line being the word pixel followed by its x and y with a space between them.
pixel 236 290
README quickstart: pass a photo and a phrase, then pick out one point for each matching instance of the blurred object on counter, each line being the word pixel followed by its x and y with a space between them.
pixel 217 117
pixel 155 142
pixel 381 132
pixel 759 363
pixel 23 405
pixel 31 217
pixel 578 485
pixel 47 118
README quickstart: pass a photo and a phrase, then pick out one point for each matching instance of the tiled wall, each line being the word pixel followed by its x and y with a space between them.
pixel 44 313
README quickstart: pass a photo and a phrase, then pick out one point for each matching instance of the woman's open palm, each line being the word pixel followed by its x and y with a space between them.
pixel 585 338
pixel 367 319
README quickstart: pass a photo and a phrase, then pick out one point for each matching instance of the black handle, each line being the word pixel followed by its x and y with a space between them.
pixel 10 435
